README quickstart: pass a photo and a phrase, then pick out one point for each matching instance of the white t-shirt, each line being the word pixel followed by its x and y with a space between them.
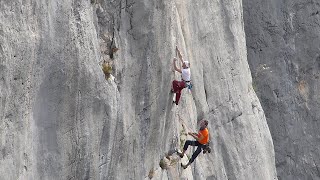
pixel 186 75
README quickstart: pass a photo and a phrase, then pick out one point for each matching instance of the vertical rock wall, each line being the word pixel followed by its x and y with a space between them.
pixel 61 119
pixel 283 53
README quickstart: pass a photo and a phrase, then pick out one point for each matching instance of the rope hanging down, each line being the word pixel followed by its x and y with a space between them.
pixel 184 125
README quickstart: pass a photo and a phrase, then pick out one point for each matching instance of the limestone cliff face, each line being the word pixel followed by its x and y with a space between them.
pixel 61 119
pixel 283 53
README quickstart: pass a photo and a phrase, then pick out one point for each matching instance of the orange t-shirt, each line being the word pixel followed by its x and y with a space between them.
pixel 205 134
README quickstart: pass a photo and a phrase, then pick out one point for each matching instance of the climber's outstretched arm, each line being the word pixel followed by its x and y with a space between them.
pixel 179 54
pixel 195 135
pixel 175 66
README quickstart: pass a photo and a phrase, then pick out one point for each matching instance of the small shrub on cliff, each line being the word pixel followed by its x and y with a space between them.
pixel 163 164
pixel 107 70
pixel 151 173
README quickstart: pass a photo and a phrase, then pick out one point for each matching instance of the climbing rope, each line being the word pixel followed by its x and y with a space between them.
pixel 184 124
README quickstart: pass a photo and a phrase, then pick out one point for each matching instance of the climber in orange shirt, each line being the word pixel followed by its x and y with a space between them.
pixel 202 138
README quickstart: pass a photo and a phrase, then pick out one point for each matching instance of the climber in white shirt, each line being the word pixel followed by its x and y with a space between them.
pixel 177 86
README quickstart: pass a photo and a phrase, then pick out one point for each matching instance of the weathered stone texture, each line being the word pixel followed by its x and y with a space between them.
pixel 283 52
pixel 61 119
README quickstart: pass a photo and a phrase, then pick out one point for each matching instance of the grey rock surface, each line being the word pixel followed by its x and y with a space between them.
pixel 284 56
pixel 61 119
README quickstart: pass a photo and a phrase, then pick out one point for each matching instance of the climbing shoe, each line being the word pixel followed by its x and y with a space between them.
pixel 184 167
pixel 180 154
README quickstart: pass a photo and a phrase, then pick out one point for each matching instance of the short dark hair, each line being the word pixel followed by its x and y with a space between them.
pixel 205 122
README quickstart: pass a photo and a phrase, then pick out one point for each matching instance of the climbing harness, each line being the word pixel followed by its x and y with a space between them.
pixel 206 148
pixel 188 85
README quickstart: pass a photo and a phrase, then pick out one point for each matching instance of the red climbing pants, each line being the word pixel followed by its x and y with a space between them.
pixel 177 88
